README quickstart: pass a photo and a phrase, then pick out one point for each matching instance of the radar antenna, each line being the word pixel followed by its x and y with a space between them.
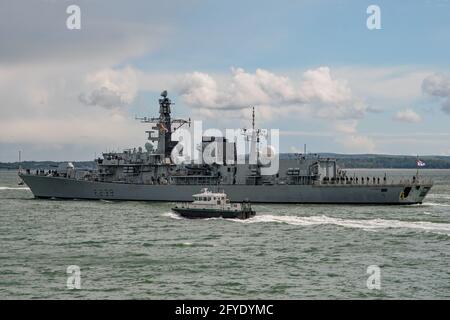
pixel 163 126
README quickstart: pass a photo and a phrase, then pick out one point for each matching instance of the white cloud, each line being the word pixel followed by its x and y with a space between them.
pixel 63 87
pixel 398 84
pixel 438 85
pixel 42 111
pixel 198 90
pixel 318 94
pixel 318 85
pixel 446 106
pixel 407 115
pixel 346 126
pixel 92 128
pixel 38 33
pixel 374 109
pixel 110 88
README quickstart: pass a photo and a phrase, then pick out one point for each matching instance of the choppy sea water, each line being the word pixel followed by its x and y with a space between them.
pixel 140 250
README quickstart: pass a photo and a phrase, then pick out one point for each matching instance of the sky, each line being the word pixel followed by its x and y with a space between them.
pixel 312 69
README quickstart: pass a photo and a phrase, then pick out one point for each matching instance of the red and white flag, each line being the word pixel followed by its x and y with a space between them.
pixel 163 128
pixel 420 163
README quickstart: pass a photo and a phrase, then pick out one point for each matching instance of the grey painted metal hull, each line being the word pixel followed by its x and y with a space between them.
pixel 59 187
pixel 205 213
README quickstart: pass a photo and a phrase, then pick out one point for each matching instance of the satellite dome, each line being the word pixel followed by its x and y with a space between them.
pixel 149 147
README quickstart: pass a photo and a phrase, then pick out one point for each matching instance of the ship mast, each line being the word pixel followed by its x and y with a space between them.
pixel 163 126
pixel 254 138
pixel 253 118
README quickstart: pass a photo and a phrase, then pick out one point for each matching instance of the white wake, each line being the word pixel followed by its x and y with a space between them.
pixel 438 196
pixel 366 224
pixel 172 215
pixel 435 204
pixel 14 188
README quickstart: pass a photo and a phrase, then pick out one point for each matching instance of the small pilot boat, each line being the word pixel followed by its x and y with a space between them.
pixel 209 204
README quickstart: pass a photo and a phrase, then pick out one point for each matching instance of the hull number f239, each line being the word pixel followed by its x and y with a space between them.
pixel 104 192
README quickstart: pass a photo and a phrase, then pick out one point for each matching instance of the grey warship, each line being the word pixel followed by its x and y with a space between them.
pixel 151 175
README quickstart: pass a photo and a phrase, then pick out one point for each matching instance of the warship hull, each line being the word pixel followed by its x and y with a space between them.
pixel 383 194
